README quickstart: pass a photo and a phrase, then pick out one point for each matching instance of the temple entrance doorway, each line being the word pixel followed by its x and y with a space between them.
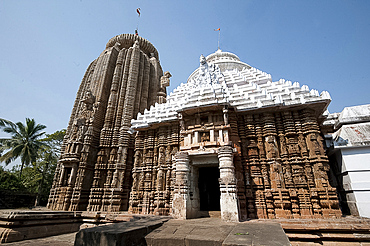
pixel 209 188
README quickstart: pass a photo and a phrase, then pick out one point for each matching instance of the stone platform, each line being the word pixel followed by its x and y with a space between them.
pixel 25 224
pixel 59 240
pixel 18 225
pixel 348 231
pixel 353 231
pixel 96 228
pixel 213 232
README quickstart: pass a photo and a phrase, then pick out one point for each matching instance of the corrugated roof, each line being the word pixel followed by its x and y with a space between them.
pixel 353 135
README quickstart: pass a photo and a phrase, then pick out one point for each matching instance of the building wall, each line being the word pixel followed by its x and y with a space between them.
pixel 284 166
pixel 153 170
pixel 273 165
pixel 356 183
pixel 272 161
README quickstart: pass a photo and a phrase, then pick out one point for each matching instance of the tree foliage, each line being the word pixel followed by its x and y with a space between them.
pixel 10 181
pixel 39 157
pixel 24 142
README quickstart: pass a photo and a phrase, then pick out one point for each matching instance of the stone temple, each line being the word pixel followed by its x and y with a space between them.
pixel 229 140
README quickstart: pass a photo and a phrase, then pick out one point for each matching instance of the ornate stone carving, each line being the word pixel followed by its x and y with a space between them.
pixel 165 81
pixel 208 74
pixel 271 161
pixel 296 182
pixel 121 82
pixel 271 147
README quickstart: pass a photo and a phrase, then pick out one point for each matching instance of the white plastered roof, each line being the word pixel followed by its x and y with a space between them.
pixel 224 79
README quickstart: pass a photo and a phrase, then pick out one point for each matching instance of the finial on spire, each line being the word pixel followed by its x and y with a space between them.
pixel 202 60
pixel 137 25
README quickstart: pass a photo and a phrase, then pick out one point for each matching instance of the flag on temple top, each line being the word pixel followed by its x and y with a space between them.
pixel 138 11
pixel 218 29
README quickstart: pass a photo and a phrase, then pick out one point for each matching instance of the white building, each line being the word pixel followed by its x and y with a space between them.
pixel 349 153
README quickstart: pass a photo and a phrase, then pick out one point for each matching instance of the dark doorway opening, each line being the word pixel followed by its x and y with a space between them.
pixel 209 188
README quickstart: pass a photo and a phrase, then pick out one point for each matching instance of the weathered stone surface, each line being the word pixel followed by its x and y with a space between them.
pixel 259 139
pixel 95 169
pixel 60 240
pixel 124 233
pixel 340 231
pixel 203 232
pixel 22 225
pixel 192 232
pixel 257 234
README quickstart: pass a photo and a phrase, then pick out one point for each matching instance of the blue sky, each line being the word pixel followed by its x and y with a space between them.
pixel 46 46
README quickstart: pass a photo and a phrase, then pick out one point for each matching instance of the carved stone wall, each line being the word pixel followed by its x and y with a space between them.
pixel 273 165
pixel 94 171
pixel 153 172
pixel 284 167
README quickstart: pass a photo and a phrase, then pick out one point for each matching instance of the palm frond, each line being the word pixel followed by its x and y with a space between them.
pixel 7 157
pixel 4 122
pixel 21 129
pixel 24 142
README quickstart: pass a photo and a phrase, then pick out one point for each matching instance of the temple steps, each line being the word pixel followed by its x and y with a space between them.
pixel 215 214
pixel 342 231
pixel 209 214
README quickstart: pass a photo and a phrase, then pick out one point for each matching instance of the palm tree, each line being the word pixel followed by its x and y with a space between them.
pixel 24 142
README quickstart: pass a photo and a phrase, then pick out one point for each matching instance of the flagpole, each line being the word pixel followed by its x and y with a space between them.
pixel 218 43
pixel 137 25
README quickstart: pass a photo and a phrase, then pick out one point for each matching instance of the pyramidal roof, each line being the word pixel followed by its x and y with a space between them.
pixel 222 79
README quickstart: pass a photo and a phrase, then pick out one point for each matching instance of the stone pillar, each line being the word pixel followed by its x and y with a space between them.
pixel 212 135
pixel 181 193
pixel 196 138
pixel 62 176
pixel 229 201
pixel 220 136
pixel 72 178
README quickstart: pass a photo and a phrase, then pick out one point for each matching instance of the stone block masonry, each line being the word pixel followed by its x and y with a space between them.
pixel 230 140
pixel 94 172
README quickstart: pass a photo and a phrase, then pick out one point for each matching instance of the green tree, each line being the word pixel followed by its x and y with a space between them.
pixel 37 178
pixel 10 181
pixel 24 142
pixel 10 184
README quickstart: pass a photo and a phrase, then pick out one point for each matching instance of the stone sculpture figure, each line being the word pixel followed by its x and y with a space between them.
pixel 181 121
pixel 283 149
pixel 208 73
pixel 204 137
pixel 261 147
pixel 314 145
pixel 288 175
pixel 165 81
pixel 271 147
pixel 226 116
pixel 276 174
pixel 302 144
